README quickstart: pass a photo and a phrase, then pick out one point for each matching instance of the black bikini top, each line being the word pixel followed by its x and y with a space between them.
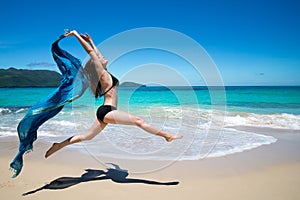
pixel 115 82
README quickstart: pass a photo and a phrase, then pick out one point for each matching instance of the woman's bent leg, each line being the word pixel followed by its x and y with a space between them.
pixel 94 130
pixel 120 117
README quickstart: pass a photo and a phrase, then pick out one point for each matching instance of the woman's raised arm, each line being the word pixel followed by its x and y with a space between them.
pixel 83 43
pixel 89 49
pixel 88 38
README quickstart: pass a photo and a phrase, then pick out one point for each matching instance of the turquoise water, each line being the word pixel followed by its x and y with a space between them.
pixel 240 99
pixel 264 99
pixel 207 118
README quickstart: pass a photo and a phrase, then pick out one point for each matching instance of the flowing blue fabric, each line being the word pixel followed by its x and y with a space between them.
pixel 72 86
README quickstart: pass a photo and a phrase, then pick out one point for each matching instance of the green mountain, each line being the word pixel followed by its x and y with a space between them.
pixel 131 84
pixel 28 78
pixel 19 78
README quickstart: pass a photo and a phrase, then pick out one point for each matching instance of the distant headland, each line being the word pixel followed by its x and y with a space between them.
pixel 131 85
pixel 22 78
pixel 13 77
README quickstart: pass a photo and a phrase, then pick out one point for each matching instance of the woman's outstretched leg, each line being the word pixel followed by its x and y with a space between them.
pixel 95 129
pixel 120 117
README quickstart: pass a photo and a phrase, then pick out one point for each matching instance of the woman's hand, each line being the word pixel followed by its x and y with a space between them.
pixel 70 33
pixel 86 37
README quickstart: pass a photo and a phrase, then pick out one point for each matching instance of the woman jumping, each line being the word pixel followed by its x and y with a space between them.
pixel 102 83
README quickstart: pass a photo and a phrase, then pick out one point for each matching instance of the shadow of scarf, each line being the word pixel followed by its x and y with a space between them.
pixel 115 174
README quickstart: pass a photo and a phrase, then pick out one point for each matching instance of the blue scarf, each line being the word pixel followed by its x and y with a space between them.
pixel 72 86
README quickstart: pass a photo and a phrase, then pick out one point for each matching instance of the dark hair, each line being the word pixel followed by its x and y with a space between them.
pixel 93 78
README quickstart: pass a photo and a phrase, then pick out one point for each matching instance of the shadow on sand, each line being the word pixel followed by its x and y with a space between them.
pixel 115 174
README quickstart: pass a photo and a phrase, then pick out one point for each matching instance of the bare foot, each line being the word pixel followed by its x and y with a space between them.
pixel 55 147
pixel 170 138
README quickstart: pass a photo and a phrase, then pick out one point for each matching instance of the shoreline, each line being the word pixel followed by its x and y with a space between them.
pixel 269 171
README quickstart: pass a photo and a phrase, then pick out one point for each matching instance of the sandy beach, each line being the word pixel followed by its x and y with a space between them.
pixel 268 172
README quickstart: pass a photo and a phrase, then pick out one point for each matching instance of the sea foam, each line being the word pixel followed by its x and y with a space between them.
pixel 283 121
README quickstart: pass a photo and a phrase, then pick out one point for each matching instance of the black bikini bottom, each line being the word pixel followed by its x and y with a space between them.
pixel 103 110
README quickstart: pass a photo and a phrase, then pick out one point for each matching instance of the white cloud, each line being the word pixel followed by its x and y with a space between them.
pixel 40 64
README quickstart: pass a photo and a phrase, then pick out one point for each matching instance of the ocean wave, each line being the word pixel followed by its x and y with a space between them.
pixel 5 111
pixel 283 121
pixel 206 118
pixel 193 146
pixel 194 123
pixel 6 130
pixel 244 141
pixel 13 109
pixel 64 123
pixel 8 133
pixel 228 141
pixel 128 141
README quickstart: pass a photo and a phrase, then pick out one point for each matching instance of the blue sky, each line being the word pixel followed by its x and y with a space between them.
pixel 252 42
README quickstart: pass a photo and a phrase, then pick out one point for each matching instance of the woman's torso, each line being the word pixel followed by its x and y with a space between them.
pixel 109 86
